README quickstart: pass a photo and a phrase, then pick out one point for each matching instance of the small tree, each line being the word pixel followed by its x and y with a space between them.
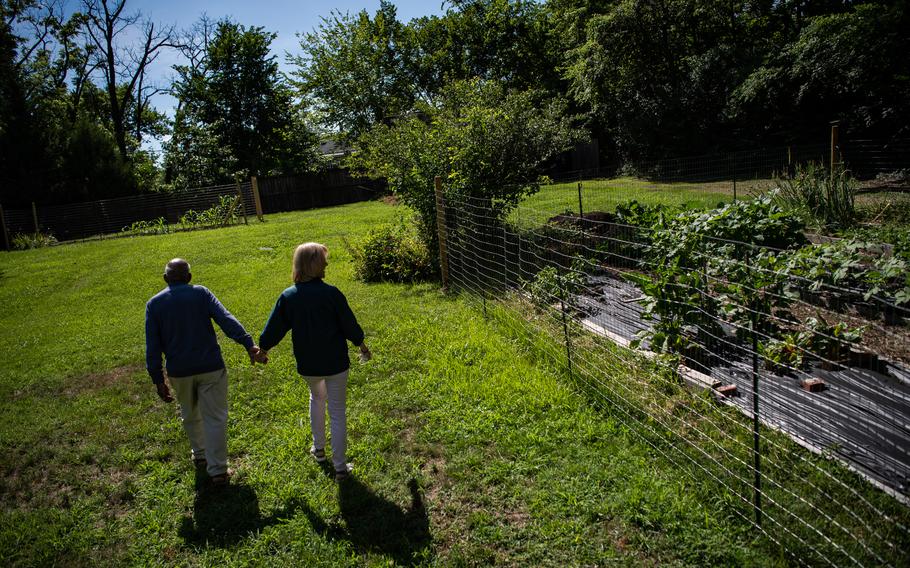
pixel 486 144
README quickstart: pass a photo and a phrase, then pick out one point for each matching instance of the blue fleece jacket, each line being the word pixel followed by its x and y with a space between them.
pixel 178 323
pixel 320 320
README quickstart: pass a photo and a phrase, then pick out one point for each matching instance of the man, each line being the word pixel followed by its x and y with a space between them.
pixel 178 323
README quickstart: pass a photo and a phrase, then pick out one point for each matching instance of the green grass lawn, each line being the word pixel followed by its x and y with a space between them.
pixel 606 194
pixel 468 448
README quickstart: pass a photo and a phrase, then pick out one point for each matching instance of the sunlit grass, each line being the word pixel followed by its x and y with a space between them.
pixel 606 194
pixel 510 464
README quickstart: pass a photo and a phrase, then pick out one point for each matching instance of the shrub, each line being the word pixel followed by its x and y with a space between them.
pixel 392 253
pixel 23 241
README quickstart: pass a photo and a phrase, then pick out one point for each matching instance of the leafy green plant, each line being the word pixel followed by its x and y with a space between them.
pixel 831 343
pixel 751 288
pixel 225 212
pixel 392 253
pixel 553 284
pixel 889 277
pixel 190 219
pixel 785 354
pixel 24 241
pixel 157 226
pixel 826 197
pixel 850 270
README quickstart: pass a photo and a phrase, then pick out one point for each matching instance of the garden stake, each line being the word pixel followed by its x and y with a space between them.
pixel 756 449
pixel 565 324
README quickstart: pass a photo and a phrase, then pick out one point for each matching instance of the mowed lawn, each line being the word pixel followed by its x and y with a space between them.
pixel 467 449
pixel 606 194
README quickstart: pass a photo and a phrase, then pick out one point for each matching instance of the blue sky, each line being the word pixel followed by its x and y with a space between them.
pixel 284 17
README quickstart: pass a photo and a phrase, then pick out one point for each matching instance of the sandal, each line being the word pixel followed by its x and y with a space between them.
pixel 318 454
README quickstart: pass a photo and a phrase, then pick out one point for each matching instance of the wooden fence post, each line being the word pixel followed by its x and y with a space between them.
pixel 5 232
pixel 242 204
pixel 35 218
pixel 256 199
pixel 441 229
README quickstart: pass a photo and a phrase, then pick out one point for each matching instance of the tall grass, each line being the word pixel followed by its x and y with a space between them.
pixel 825 198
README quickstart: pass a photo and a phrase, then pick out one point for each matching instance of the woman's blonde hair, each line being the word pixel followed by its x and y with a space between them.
pixel 310 259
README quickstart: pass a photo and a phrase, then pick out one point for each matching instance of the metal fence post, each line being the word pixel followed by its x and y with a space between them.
pixel 35 218
pixel 581 213
pixel 256 199
pixel 4 229
pixel 441 230
pixel 756 445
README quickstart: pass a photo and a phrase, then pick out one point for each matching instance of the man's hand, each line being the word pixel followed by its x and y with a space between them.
pixel 365 354
pixel 257 355
pixel 163 392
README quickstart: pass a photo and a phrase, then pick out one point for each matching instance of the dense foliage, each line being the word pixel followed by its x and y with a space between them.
pixel 645 78
pixel 486 143
pixel 392 253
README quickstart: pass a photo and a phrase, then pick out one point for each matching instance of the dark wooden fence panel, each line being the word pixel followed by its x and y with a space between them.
pixel 333 187
pixel 110 216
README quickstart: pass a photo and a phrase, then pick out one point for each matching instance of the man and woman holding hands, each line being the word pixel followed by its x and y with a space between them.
pixel 178 325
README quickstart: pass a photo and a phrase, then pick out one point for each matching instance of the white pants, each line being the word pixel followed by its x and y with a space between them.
pixel 204 410
pixel 332 390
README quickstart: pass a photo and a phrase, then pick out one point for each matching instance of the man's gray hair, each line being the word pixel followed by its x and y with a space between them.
pixel 177 270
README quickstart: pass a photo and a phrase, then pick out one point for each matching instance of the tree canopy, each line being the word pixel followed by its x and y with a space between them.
pixel 646 78
pixel 236 113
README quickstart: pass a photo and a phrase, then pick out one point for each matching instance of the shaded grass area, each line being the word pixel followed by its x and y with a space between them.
pixel 469 447
pixel 606 194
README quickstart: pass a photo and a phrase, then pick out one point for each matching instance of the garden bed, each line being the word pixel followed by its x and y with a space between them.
pixel 874 440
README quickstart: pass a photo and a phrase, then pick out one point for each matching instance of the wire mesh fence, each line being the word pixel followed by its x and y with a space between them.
pixel 784 394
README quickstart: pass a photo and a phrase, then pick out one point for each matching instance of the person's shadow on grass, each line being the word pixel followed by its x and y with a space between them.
pixel 223 516
pixel 372 523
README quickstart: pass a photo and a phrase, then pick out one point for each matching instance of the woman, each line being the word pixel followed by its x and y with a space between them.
pixel 320 321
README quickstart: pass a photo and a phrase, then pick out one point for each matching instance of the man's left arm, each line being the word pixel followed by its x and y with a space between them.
pixel 230 326
pixel 153 354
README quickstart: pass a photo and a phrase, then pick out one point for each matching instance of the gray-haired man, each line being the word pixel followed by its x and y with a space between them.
pixel 178 324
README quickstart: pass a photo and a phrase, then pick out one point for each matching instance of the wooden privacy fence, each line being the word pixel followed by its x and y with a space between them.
pixel 110 216
pixel 332 187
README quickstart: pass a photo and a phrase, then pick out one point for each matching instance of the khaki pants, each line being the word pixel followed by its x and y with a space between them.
pixel 204 410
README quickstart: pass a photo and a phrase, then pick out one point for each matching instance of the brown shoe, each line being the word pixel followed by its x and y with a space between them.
pixel 221 480
pixel 342 474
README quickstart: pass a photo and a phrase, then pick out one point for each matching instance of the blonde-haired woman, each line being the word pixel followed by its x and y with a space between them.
pixel 320 321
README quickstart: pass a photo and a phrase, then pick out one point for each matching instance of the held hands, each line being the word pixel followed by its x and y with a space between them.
pixel 258 355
